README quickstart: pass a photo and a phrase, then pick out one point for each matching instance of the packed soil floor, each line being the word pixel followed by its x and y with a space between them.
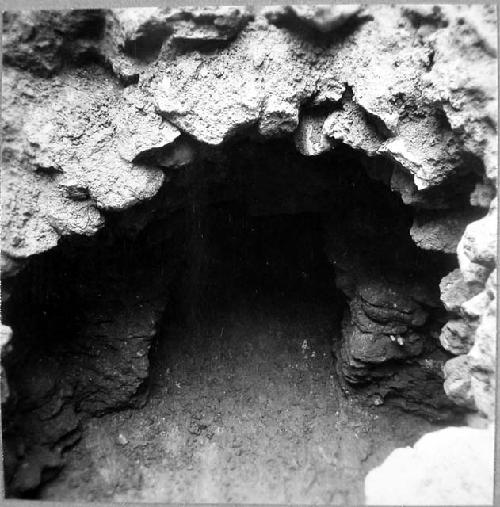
pixel 245 406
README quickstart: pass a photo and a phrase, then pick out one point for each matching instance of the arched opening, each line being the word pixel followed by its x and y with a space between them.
pixel 265 314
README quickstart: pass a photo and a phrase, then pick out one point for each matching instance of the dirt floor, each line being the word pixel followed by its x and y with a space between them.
pixel 245 407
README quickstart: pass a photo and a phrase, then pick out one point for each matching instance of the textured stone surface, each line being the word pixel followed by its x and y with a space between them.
pixel 390 350
pixel 440 231
pixel 85 345
pixel 352 126
pixel 422 83
pixel 452 466
pixel 128 95
pixel 61 162
pixel 457 372
pixel 43 41
pixel 470 296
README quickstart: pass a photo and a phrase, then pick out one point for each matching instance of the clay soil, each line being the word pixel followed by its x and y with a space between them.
pixel 243 407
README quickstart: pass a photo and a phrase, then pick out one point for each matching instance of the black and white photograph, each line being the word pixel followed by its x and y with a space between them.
pixel 248 253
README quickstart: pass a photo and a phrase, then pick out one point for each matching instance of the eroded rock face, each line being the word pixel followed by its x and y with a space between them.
pixel 390 350
pixel 469 294
pixel 83 335
pixel 100 107
pixel 452 466
pixel 417 94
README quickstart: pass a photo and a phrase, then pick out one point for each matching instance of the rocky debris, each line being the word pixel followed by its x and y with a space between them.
pixel 309 137
pixel 451 466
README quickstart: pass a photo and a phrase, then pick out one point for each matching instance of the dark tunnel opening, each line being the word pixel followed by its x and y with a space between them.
pixel 255 238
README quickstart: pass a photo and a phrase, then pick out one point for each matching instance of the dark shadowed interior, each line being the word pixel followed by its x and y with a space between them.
pixel 238 279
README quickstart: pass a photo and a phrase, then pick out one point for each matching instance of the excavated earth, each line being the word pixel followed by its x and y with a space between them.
pixel 247 253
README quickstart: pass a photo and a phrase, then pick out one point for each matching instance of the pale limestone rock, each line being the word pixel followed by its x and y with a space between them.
pixel 452 466
pixel 279 118
pixel 439 231
pixel 352 126
pixel 455 292
pixel 457 336
pixel 457 384
pixel 483 354
pixel 479 242
pixel 309 137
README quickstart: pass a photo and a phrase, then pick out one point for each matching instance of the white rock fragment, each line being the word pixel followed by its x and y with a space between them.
pixel 122 439
pixel 452 466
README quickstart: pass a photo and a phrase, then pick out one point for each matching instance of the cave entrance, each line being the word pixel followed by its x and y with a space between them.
pixel 196 349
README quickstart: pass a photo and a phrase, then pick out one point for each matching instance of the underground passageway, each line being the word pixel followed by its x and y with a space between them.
pixel 249 254
pixel 200 347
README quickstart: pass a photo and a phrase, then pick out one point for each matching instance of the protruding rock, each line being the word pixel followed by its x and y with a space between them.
pixel 440 231
pixel 5 337
pixel 278 118
pixel 379 348
pixel 483 354
pixel 455 292
pixel 352 126
pixel 457 336
pixel 198 25
pixel 482 195
pixel 72 121
pixel 309 137
pixel 418 159
pixel 478 244
pixel 137 26
pixel 451 466
pixel 139 133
